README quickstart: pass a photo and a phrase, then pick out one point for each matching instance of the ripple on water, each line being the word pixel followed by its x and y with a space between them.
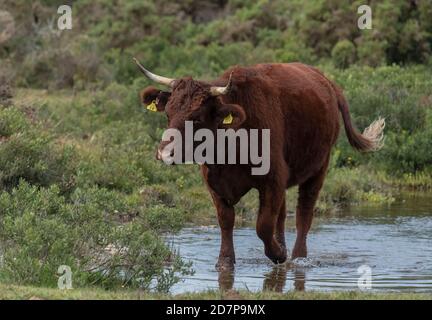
pixel 304 263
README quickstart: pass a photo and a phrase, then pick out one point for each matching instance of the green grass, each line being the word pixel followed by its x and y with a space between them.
pixel 14 292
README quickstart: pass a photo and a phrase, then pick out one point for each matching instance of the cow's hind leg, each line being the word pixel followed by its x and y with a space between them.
pixel 308 195
pixel 271 201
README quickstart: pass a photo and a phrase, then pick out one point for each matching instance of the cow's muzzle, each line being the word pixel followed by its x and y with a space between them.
pixel 162 154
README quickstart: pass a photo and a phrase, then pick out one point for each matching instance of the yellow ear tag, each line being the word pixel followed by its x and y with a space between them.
pixel 152 106
pixel 228 119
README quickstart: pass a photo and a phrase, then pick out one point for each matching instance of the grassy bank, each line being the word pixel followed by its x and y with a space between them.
pixel 24 293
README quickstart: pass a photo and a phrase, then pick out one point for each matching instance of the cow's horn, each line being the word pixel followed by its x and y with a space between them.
pixel 217 91
pixel 154 77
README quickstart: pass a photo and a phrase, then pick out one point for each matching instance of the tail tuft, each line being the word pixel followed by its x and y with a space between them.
pixel 372 138
pixel 375 134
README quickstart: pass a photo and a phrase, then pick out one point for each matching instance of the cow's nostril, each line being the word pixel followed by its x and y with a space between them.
pixel 165 155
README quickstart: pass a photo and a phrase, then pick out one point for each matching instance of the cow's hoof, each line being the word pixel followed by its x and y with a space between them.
pixel 299 251
pixel 225 264
pixel 277 258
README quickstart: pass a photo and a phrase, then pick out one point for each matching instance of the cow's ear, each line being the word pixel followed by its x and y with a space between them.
pixel 230 116
pixel 154 99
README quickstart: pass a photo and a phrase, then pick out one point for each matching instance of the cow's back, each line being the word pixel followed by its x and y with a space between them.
pixel 298 103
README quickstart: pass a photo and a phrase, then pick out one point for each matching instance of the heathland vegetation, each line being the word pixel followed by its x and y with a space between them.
pixel 79 184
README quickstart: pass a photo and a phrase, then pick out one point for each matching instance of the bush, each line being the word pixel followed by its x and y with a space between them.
pixel 403 97
pixel 41 230
pixel 202 38
pixel 343 54
pixel 29 153
pixel 79 204
pixel 350 185
pixel 6 92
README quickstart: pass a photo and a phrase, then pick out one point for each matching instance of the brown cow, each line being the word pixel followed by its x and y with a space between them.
pixel 301 108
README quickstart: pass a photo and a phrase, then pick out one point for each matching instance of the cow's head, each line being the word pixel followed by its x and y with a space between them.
pixel 191 100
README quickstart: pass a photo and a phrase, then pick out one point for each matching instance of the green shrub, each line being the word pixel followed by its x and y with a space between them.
pixel 29 153
pixel 350 185
pixel 402 96
pixel 6 79
pixel 78 204
pixel 202 38
pixel 343 54
pixel 41 230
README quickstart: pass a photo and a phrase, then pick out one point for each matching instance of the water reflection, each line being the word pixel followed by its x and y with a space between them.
pixel 275 280
pixel 226 280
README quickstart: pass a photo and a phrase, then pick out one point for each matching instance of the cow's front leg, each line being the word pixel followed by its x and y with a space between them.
pixel 271 202
pixel 280 225
pixel 226 218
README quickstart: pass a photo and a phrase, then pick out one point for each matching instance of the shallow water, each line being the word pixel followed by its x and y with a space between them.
pixel 394 241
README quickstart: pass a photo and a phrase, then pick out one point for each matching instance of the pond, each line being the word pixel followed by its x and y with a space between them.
pixel 394 241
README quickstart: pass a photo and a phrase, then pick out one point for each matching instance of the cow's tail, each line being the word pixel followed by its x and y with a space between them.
pixel 372 138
